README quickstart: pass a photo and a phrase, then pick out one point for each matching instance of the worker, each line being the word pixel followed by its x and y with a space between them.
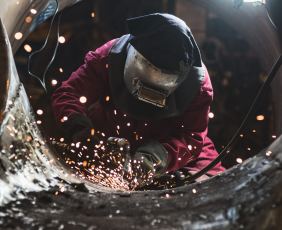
pixel 149 87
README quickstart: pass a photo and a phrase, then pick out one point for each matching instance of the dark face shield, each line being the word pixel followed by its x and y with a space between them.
pixel 149 83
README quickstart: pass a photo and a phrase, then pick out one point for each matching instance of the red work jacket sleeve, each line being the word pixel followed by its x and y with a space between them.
pixel 87 81
pixel 190 130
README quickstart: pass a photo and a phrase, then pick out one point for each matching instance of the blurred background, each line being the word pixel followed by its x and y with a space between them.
pixel 234 68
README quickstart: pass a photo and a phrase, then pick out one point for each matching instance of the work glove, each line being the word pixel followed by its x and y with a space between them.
pixel 149 161
pixel 78 128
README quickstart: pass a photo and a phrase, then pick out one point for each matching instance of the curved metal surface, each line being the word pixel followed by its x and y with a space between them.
pixel 4 73
pixel 14 14
pixel 250 198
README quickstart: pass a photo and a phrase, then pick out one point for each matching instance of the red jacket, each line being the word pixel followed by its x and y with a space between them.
pixel 185 137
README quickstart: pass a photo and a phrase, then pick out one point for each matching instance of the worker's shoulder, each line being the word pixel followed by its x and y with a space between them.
pixel 100 53
pixel 206 84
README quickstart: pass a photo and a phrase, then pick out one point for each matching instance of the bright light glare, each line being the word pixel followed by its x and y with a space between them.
pixel 255 1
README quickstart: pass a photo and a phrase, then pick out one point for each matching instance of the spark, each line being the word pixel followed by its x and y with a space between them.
pixel 92 14
pixel 211 115
pixel 62 39
pixel 28 19
pixel 92 132
pixel 27 48
pixel 194 190
pixel 39 111
pixel 260 117
pixel 18 35
pixel 107 98
pixel 61 70
pixel 33 11
pixel 268 153
pixel 239 160
pixel 83 99
pixel 54 82
pixel 64 119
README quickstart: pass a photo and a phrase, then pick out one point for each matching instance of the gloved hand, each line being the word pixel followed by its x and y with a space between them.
pixel 78 128
pixel 149 161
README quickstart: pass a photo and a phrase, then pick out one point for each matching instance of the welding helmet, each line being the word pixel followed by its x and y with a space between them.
pixel 156 69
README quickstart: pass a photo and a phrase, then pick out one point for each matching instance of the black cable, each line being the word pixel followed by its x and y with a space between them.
pixel 226 150
pixel 43 81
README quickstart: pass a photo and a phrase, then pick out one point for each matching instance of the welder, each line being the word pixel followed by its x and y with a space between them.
pixel 149 87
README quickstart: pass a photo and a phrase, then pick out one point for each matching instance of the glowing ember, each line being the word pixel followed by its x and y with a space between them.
pixel 33 11
pixel 239 160
pixel 93 15
pixel 39 111
pixel 211 115
pixel 62 39
pixel 27 48
pixel 28 19
pixel 83 100
pixel 92 132
pixel 65 118
pixel 107 98
pixel 54 82
pixel 18 35
pixel 260 117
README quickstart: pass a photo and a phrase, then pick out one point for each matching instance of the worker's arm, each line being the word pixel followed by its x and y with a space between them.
pixel 186 140
pixel 189 141
pixel 87 82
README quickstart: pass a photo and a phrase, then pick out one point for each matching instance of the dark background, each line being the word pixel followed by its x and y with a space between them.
pixel 235 71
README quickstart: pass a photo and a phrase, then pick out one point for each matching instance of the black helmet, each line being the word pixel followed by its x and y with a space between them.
pixel 156 70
